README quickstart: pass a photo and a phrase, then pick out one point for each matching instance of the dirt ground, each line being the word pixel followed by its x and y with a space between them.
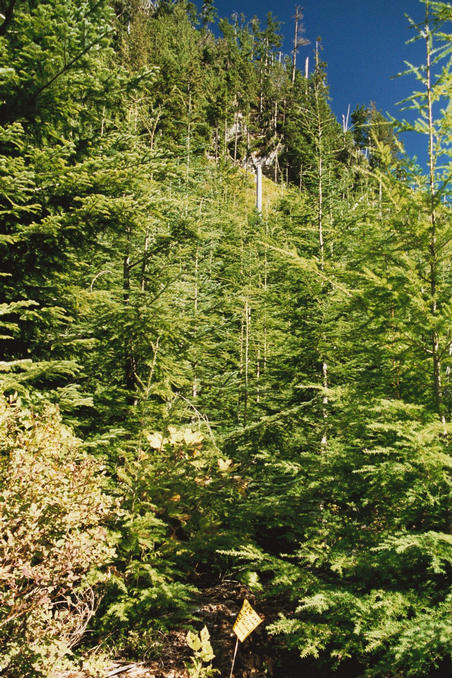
pixel 218 607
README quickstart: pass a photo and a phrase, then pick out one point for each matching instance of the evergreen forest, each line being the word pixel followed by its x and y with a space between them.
pixel 203 392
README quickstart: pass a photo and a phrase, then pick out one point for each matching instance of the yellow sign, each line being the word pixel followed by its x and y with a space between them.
pixel 247 620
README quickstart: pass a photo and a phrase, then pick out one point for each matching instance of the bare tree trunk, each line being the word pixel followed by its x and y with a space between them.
pixel 298 39
pixel 295 48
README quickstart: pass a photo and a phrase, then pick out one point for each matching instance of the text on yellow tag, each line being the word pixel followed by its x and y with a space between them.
pixel 247 620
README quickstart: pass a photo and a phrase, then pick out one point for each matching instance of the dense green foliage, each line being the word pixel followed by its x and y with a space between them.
pixel 266 395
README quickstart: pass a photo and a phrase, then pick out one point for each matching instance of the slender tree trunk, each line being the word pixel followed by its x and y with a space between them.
pixel 102 124
pixel 294 53
pixel 236 130
pixel 435 340
pixel 259 188
pixel 7 16
pixel 195 313
pixel 145 260
pixel 153 129
pixel 320 228
pixel 298 39
pixel 322 267
pixel 247 313
pixel 225 137
pixel 265 356
pixel 241 367
pixel 189 132
pixel 258 376
pixel 129 360
pixel 395 364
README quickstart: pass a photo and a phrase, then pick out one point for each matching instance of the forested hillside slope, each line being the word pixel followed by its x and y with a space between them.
pixel 196 391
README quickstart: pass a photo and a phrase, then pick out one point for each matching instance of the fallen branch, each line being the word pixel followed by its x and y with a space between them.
pixel 122 669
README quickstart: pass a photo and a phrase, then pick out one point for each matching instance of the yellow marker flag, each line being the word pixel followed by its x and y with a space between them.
pixel 247 620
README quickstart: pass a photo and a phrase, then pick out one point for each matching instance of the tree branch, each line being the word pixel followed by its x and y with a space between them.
pixel 7 17
pixel 68 66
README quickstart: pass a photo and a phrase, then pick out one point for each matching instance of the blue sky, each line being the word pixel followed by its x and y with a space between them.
pixel 363 45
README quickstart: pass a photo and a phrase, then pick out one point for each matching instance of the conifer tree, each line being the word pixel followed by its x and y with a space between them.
pixel 49 121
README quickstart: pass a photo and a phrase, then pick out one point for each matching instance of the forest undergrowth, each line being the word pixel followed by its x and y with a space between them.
pixel 204 400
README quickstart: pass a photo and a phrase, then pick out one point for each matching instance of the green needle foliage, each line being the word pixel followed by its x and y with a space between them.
pixel 261 395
